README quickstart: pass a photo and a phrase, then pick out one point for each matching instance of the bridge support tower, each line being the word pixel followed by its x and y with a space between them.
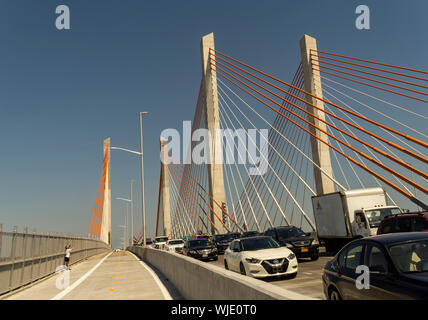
pixel 164 226
pixel 312 83
pixel 106 223
pixel 215 166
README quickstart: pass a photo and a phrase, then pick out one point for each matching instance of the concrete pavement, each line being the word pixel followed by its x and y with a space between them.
pixel 113 276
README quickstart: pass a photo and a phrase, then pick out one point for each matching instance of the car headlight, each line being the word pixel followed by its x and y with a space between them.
pixel 252 260
pixel 288 245
pixel 291 256
pixel 315 242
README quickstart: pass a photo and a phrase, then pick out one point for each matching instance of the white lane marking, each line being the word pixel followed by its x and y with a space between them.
pixel 163 289
pixel 61 295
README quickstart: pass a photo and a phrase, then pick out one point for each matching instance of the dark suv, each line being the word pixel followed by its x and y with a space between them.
pixel 201 249
pixel 303 245
pixel 222 241
pixel 407 222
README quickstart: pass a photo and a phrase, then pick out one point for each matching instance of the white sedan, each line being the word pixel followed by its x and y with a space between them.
pixel 260 257
pixel 175 245
pixel 159 242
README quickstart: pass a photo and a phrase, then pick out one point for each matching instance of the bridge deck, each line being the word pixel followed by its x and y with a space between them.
pixel 115 276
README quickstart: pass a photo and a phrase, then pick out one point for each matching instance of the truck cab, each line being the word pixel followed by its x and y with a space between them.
pixel 375 215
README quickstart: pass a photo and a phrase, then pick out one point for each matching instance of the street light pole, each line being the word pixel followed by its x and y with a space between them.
pixel 127 225
pixel 132 215
pixel 143 203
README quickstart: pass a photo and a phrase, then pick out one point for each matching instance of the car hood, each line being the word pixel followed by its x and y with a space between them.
pixel 201 248
pixel 176 245
pixel 272 253
pixel 293 239
pixel 421 277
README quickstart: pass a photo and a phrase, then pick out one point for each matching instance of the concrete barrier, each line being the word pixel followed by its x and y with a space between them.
pixel 196 280
pixel 28 257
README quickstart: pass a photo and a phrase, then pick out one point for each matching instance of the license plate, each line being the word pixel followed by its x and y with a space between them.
pixel 205 255
pixel 304 249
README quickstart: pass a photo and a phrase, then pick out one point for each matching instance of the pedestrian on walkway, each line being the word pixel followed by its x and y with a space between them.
pixel 67 256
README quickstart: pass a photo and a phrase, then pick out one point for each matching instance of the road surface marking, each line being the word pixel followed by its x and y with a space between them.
pixel 164 291
pixel 61 295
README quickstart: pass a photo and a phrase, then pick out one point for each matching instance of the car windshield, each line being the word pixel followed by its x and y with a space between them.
pixel 161 239
pixel 199 243
pixel 176 242
pixel 290 233
pixel 252 244
pixel 411 256
pixel 225 237
pixel 375 216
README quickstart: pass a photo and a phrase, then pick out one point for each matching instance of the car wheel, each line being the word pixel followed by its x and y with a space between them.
pixel 225 265
pixel 314 258
pixel 334 294
pixel 292 276
pixel 242 269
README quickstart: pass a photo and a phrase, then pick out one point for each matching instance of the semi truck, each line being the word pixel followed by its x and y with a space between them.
pixel 347 215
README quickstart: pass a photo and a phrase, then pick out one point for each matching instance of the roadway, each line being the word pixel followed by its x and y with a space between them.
pixel 308 280
pixel 109 276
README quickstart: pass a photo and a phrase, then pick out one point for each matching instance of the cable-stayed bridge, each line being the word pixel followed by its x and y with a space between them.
pixel 259 149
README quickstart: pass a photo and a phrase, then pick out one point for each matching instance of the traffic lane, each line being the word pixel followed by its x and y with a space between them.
pixel 308 280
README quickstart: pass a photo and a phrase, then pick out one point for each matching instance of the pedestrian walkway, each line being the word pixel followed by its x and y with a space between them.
pixel 112 276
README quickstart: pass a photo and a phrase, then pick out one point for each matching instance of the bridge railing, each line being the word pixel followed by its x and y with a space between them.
pixel 27 257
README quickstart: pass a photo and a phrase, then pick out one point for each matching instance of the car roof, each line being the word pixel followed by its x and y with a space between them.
pixel 389 238
pixel 284 227
pixel 256 237
pixel 407 215
pixel 225 234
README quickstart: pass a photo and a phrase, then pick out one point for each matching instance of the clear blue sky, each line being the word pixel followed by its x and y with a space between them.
pixel 63 92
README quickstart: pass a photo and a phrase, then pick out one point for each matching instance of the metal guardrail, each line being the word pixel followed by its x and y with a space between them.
pixel 27 257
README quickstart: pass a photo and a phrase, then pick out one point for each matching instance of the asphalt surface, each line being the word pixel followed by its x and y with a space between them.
pixel 115 276
pixel 308 280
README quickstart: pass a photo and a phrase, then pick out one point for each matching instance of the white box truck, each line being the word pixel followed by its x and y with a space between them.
pixel 346 215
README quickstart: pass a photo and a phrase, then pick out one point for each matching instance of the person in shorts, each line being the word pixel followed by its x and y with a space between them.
pixel 67 256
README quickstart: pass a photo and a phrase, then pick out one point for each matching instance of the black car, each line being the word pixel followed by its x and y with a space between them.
pixel 202 249
pixel 303 245
pixel 397 268
pixel 222 241
pixel 248 234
